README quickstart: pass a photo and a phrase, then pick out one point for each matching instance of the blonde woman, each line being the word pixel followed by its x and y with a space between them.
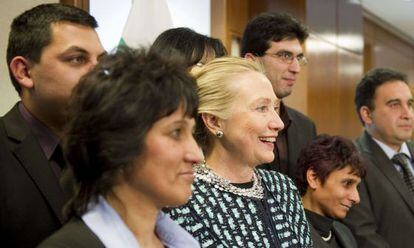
pixel 233 204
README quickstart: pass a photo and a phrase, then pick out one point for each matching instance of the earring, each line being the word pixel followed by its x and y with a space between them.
pixel 219 134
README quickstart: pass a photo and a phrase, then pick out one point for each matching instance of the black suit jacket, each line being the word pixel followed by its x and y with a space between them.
pixel 75 234
pixel 31 198
pixel 342 234
pixel 300 132
pixel 385 215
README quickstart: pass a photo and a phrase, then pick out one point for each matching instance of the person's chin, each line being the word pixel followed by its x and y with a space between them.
pixel 267 158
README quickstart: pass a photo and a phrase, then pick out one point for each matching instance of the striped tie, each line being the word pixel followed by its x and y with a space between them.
pixel 403 160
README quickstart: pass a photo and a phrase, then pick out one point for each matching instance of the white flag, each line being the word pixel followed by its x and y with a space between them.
pixel 146 20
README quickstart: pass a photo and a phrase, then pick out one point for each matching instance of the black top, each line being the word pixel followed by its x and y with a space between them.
pixel 324 226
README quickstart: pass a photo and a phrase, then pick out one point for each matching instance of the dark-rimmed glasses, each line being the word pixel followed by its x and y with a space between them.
pixel 288 57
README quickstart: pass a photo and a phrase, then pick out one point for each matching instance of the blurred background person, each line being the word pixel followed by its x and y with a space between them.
pixel 233 204
pixel 50 47
pixel 275 40
pixel 385 217
pixel 130 143
pixel 329 172
pixel 195 49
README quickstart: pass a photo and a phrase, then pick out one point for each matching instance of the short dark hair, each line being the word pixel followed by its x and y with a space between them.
pixel 187 44
pixel 326 154
pixel 366 88
pixel 111 111
pixel 31 31
pixel 267 27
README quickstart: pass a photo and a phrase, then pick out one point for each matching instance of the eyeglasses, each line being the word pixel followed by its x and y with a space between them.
pixel 288 57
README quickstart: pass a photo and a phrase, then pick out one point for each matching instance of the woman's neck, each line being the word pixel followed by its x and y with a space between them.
pixel 139 214
pixel 229 167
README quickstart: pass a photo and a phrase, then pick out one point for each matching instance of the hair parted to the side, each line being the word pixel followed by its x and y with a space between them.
pixel 187 44
pixel 31 31
pixel 267 27
pixel 111 111
pixel 324 155
pixel 216 91
pixel 366 88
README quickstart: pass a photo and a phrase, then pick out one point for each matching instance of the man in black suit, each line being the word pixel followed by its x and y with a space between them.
pixel 330 169
pixel 275 40
pixel 50 47
pixel 385 216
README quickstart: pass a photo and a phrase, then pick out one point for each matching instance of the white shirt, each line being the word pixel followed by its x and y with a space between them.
pixel 108 226
pixel 390 153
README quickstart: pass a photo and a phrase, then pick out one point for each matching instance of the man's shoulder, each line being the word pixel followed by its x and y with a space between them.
pixel 297 116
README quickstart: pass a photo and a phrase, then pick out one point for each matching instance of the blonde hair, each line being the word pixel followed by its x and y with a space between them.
pixel 216 92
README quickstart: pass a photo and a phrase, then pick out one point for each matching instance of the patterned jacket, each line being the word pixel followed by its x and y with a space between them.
pixel 221 219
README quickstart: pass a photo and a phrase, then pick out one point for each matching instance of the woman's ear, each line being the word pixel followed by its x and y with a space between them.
pixel 312 178
pixel 20 68
pixel 212 122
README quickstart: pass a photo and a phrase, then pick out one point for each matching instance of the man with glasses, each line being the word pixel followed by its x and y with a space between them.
pixel 275 40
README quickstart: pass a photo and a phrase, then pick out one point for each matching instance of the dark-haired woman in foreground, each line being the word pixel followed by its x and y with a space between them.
pixel 131 148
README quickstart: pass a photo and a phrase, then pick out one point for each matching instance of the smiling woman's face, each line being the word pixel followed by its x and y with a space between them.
pixel 337 195
pixel 253 125
pixel 163 173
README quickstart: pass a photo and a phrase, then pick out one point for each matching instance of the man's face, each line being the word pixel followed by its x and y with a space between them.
pixel 281 74
pixel 337 195
pixel 391 120
pixel 74 50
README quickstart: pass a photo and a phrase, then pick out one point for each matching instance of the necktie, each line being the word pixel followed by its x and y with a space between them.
pixel 58 161
pixel 402 160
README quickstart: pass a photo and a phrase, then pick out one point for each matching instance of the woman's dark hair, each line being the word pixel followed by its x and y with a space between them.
pixel 111 111
pixel 324 155
pixel 187 44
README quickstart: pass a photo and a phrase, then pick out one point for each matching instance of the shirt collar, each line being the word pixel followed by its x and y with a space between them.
pixel 48 141
pixel 106 223
pixel 321 223
pixel 390 152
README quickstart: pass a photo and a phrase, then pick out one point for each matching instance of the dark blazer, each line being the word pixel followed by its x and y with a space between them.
pixel 385 215
pixel 31 198
pixel 342 234
pixel 300 132
pixel 75 234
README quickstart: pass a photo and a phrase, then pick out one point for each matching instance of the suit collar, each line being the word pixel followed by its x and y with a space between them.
pixel 26 149
pixel 383 163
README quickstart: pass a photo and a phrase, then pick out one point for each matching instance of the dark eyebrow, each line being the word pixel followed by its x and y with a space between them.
pixel 291 53
pixel 75 49
pixel 391 101
pixel 100 56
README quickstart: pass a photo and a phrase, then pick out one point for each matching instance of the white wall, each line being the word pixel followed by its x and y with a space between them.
pixel 9 9
pixel 194 14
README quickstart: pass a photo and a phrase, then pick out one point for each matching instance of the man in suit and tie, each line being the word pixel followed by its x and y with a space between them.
pixel 385 215
pixel 50 47
pixel 275 40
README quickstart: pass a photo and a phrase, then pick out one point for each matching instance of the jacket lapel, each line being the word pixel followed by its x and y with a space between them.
pixel 381 161
pixel 28 152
